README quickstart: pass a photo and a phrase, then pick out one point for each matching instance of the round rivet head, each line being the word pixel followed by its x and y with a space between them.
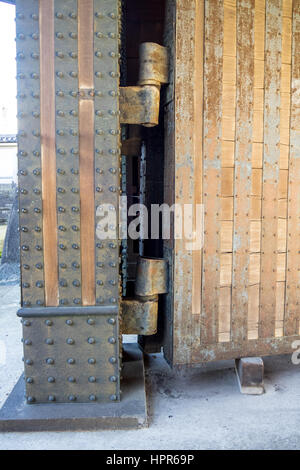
pixel 112 321
pixel 30 399
pixel 73 15
pixel 49 322
pixel 50 361
pixel 59 15
pixel 112 360
pixel 77 301
pixel 71 379
pixel 92 379
pixel 113 397
pixel 70 341
pixel 28 342
pixel 91 340
pixel 99 300
pixel 112 378
pixel 29 362
pixel 112 340
pixel 27 323
pixel 71 361
pixel 49 341
pixel 51 380
pixel 29 380
pixel 92 397
pixel 69 322
pixel 91 360
pixel 51 398
pixel 72 398
pixel 90 321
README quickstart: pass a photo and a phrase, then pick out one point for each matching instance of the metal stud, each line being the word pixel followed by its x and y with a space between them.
pixel 30 399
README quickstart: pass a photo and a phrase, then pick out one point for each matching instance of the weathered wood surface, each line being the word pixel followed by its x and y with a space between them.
pixel 247 93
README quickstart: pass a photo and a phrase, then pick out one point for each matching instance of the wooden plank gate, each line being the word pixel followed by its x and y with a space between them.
pixel 233 145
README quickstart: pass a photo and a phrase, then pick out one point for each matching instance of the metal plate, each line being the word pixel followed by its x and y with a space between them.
pixel 29 153
pixel 71 358
pixel 69 166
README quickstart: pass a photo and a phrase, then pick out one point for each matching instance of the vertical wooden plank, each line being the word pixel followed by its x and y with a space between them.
pixel 198 123
pixel 243 169
pixel 184 181
pixel 292 314
pixel 270 168
pixel 86 148
pixel 285 104
pixel 213 75
pixel 48 150
pixel 227 158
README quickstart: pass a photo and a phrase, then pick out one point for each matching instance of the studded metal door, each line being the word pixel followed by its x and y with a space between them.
pixel 69 161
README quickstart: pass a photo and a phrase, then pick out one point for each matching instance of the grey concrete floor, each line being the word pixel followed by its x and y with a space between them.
pixel 198 409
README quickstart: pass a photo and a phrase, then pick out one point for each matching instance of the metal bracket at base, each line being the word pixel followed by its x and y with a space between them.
pixel 140 314
pixel 130 413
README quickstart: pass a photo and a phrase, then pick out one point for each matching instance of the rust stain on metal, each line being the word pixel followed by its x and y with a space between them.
pixel 153 64
pixel 151 276
pixel 140 105
pixel 139 317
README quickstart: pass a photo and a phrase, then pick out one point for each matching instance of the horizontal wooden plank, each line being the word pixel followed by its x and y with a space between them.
pixel 227 154
pixel 227 182
pixel 227 208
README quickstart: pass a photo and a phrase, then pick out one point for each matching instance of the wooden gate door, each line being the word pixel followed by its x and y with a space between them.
pixel 233 145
